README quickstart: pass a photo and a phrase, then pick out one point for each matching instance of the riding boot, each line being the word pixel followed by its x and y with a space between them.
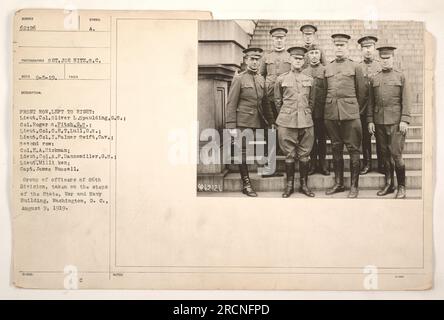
pixel 400 176
pixel 289 189
pixel 303 177
pixel 322 151
pixel 323 167
pixel 367 162
pixel 339 176
pixel 380 157
pixel 246 183
pixel 354 175
pixel 389 186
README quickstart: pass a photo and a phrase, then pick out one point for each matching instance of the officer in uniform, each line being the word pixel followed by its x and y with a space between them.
pixel 246 108
pixel 341 115
pixel 388 117
pixel 319 150
pixel 294 97
pixel 273 65
pixel 309 34
pixel 370 66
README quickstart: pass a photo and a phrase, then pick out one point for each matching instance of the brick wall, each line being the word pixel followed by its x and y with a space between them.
pixel 407 36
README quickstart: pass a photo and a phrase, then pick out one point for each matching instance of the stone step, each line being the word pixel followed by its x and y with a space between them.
pixel 232 181
pixel 414 132
pixel 410 146
pixel 417 118
pixel 412 162
pixel 363 194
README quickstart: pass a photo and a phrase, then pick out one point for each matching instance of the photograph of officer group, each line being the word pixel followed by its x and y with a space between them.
pixel 308 100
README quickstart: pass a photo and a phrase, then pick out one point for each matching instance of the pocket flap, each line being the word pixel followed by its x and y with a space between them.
pixel 287 83
pixel 306 83
pixel 351 100
pixel 285 110
pixel 247 85
pixel 245 111
pixel 394 82
pixel 349 73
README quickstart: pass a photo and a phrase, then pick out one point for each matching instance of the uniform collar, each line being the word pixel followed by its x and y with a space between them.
pixel 252 71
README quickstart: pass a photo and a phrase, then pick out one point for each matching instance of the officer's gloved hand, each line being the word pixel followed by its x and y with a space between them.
pixel 403 126
pixel 232 132
pixel 371 128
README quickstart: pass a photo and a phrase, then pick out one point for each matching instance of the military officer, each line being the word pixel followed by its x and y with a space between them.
pixel 341 115
pixel 388 117
pixel 273 65
pixel 319 150
pixel 246 108
pixel 294 97
pixel 309 35
pixel 370 66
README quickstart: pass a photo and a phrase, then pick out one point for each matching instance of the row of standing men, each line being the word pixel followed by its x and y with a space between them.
pixel 306 99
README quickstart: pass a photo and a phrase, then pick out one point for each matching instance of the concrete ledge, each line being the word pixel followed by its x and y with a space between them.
pixel 217 72
pixel 223 30
pixel 217 52
pixel 210 182
pixel 372 180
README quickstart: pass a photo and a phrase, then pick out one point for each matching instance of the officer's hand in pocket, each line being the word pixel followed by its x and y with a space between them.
pixel 371 128
pixel 403 126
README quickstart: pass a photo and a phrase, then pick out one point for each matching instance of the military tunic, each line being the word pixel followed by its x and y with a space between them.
pixel 245 107
pixel 389 105
pixel 317 72
pixel 294 98
pixel 272 66
pixel 341 115
pixel 319 145
pixel 369 69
